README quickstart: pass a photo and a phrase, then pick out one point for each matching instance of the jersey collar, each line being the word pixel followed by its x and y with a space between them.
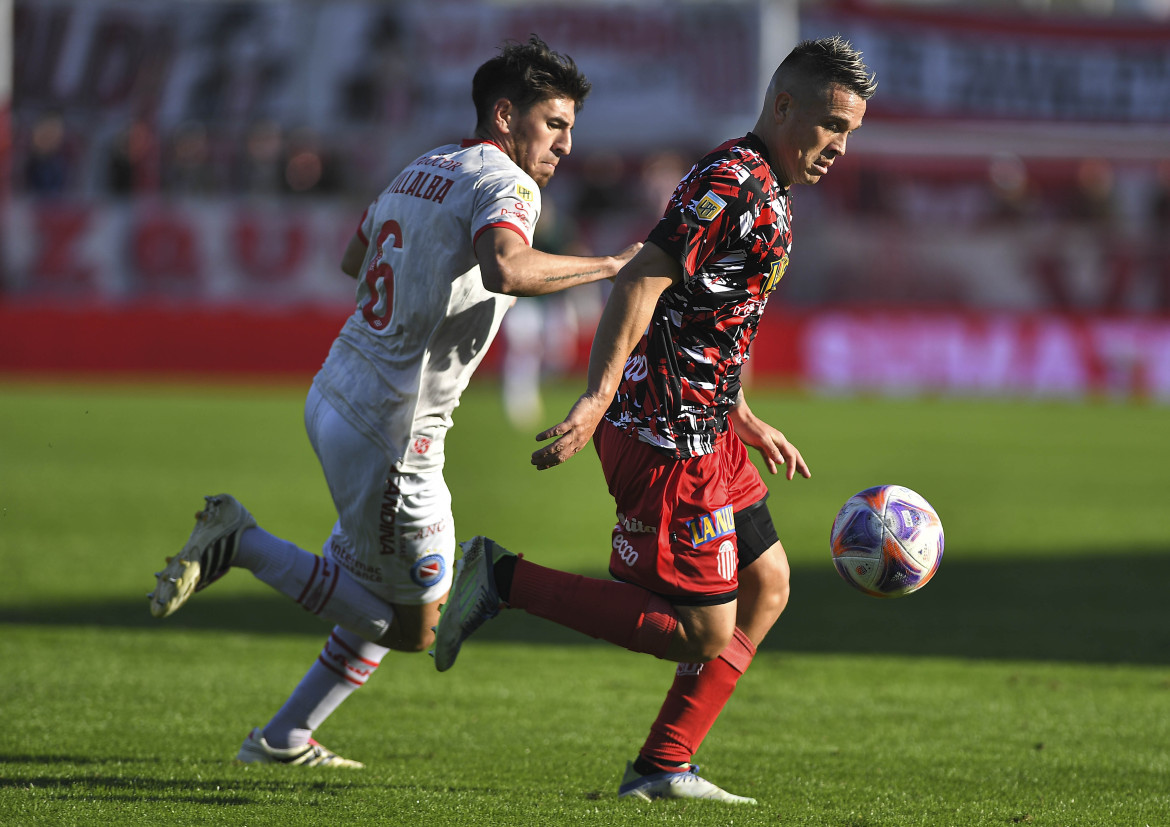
pixel 756 144
pixel 476 141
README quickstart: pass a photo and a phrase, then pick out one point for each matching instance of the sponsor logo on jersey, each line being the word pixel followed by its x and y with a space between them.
pixel 637 369
pixel 775 274
pixel 421 445
pixel 712 526
pixel 624 550
pixel 428 571
pixel 524 193
pixel 709 206
pixel 632 525
pixel 727 560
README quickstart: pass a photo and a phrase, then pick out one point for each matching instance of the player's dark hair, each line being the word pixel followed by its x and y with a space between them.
pixel 828 61
pixel 527 73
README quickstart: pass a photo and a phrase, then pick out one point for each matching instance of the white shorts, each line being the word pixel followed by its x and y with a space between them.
pixel 395 533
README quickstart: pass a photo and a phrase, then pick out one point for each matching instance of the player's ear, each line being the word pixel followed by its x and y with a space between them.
pixel 502 114
pixel 781 106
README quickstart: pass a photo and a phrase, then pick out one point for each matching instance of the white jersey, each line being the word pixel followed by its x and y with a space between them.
pixel 424 319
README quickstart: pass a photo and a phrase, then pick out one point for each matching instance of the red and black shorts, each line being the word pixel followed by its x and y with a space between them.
pixel 676 532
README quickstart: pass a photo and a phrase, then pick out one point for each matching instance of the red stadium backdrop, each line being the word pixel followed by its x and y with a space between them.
pixel 1001 226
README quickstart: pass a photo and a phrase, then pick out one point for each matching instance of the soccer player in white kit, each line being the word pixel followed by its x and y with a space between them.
pixel 438 256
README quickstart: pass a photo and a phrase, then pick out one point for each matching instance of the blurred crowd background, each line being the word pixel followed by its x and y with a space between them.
pixel 1001 222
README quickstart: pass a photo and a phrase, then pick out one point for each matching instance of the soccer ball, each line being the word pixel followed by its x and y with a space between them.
pixel 887 541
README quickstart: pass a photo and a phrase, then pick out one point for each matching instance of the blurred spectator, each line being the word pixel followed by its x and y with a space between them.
pixel 188 169
pixel 261 168
pixel 1160 237
pixel 132 167
pixel 308 166
pixel 1094 200
pixel 541 332
pixel 47 168
pixel 660 175
pixel 603 187
pixel 1011 196
pixel 382 89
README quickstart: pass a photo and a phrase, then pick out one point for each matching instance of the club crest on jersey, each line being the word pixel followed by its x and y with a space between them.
pixel 524 193
pixel 428 571
pixel 775 274
pixel 712 526
pixel 709 206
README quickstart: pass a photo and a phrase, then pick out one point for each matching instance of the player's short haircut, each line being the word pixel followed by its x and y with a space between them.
pixel 829 61
pixel 525 74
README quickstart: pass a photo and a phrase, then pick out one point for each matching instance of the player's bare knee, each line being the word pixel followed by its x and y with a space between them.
pixel 711 647
pixel 698 642
pixel 411 630
pixel 420 641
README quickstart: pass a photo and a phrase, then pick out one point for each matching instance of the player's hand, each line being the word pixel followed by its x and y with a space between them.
pixel 625 255
pixel 772 445
pixel 572 434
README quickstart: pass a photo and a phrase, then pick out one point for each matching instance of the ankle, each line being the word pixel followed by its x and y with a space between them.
pixel 503 570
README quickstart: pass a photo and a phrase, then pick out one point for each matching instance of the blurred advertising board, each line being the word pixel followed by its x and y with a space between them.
pixel 984 65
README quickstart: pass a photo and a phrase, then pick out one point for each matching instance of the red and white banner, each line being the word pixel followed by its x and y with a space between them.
pixel 1043 356
pixel 978 65
pixel 831 351
pixel 267 253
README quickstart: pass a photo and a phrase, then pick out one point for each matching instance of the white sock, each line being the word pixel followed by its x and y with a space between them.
pixel 344 664
pixel 316 583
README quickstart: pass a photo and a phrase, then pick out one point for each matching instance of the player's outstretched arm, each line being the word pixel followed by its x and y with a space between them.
pixel 354 255
pixel 773 445
pixel 627 314
pixel 509 266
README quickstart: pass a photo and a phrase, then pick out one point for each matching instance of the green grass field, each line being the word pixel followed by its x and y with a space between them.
pixel 1029 683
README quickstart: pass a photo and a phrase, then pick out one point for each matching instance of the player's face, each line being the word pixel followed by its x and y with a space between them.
pixel 812 132
pixel 541 135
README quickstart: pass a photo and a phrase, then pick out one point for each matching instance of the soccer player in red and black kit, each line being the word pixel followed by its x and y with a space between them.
pixel 700 574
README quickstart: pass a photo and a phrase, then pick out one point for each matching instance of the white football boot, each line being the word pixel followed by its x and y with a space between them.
pixel 674 785
pixel 207 556
pixel 473 599
pixel 255 750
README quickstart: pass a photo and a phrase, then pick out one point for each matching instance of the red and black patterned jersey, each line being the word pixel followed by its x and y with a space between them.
pixel 728 224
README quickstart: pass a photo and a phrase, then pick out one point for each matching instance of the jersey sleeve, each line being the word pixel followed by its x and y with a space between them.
pixel 504 200
pixel 710 210
pixel 365 228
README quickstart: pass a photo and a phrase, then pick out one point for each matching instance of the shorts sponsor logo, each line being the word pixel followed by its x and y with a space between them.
pixel 632 525
pixel 712 526
pixel 709 206
pixel 624 550
pixel 428 571
pixel 344 557
pixel 429 530
pixel 727 560
pixel 421 445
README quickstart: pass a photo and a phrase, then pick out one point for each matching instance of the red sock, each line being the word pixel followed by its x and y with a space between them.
pixel 620 613
pixel 696 698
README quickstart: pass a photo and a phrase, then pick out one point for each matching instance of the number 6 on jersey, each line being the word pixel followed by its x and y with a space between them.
pixel 379 280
